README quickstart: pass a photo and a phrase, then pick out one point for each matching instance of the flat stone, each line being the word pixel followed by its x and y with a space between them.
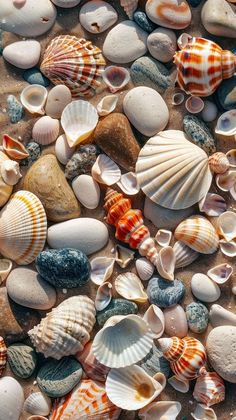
pixel 22 360
pixel 199 133
pixel 204 289
pixel 57 99
pixel 87 191
pixel 143 21
pixel 220 316
pixel 146 71
pixel 165 293
pixel 97 16
pixel 116 307
pixel 35 77
pixel 219 18
pixel 175 321
pixel 197 317
pixel 162 44
pixel 226 93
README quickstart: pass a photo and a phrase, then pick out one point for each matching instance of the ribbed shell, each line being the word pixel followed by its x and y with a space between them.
pixel 183 254
pixel 172 171
pixel 75 63
pixel 3 355
pixel 23 228
pixel 219 163
pixel 88 401
pixel 209 389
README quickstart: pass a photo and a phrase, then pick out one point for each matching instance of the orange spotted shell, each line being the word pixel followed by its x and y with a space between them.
pixel 3 355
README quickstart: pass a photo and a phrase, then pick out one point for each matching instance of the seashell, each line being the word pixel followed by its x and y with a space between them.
pixel 37 404
pixel 10 172
pixel 123 256
pixel 33 98
pixel 231 156
pixel 88 400
pixel 91 366
pixel 36 417
pixel 145 268
pixel 5 189
pixel 194 104
pixel 183 40
pixel 116 78
pixel 163 237
pixel 11 397
pixel 177 185
pixel 154 362
pixel 130 287
pixel 226 181
pixel 66 3
pixel 74 62
pixel 228 248
pixel 78 120
pixel 123 341
pixel 219 163
pixel 202 65
pixel 23 228
pixel 3 355
pixel 202 412
pixel 45 130
pixel 198 233
pixel 166 263
pixel 131 388
pixel 226 225
pixel 14 148
pixel 129 7
pixel 209 389
pixel 183 255
pixel 212 205
pixel 105 170
pixel 62 150
pixel 5 268
pixel 101 269
pixel 128 183
pixel 66 329
pixel 226 123
pixel 220 273
pixel 172 14
pixel 154 317
pixel 177 97
pixel 179 384
pixel 233 192
pixel 103 296
pixel 107 105
pixel 161 410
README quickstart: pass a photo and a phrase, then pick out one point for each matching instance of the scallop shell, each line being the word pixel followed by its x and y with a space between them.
pixel 228 248
pixel 66 3
pixel 128 183
pixel 177 97
pixel 66 329
pixel 103 296
pixel 123 341
pixel 3 355
pixel 123 256
pixel 131 388
pixel 219 163
pixel 145 268
pixel 129 7
pixel 33 98
pixel 168 410
pixel 78 120
pixel 226 225
pixel 10 172
pixel 14 148
pixel 23 228
pixel 116 78
pixel 73 62
pixel 226 181
pixel 45 130
pixel 154 317
pixel 194 104
pixel 107 105
pixel 105 170
pixel 220 273
pixel 178 384
pixel 183 255
pixel 101 269
pixel 5 189
pixel 11 397
pixel 166 263
pixel 38 404
pixel 129 286
pixel 202 412
pixel 163 237
pixel 91 366
pixel 226 123
pixel 231 156
pixel 172 171
pixel 209 389
pixel 5 269
pixel 212 205
pixel 199 234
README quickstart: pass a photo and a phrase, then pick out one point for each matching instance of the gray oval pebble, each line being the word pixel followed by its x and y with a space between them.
pixel 116 307
pixel 22 360
pixel 143 21
pixel 35 77
pixel 197 316
pixel 165 293
pixel 147 71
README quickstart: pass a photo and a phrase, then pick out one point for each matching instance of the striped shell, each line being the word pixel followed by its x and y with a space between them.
pixel 219 163
pixel 199 234
pixel 209 389
pixel 173 14
pixel 87 401
pixel 3 355
pixel 202 65
pixel 23 228
pixel 183 255
pixel 75 63
pixel 129 7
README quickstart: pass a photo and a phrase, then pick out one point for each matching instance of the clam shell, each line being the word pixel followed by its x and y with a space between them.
pixel 233 192
pixel 145 268
pixel 103 296
pixel 183 255
pixel 212 205
pixel 194 104
pixel 231 156
pixel 33 98
pixel 14 148
pixel 123 256
pixel 107 105
pixel 220 273
pixel 129 7
pixel 226 123
pixel 129 286
pixel 11 397
pixel 226 181
pixel 5 268
pixel 163 237
pixel 37 404
pixel 177 97
pixel 10 172
pixel 179 384
pixel 154 317
pixel 123 341
pixel 101 269
pixel 172 171
pixel 226 225
pixel 202 412
pixel 45 130
pixel 209 389
pixel 78 120
pixel 128 183
pixel 116 77
pixel 160 410
pixel 228 248
pixel 3 355
pixel 166 263
pixel 105 170
pixel 219 163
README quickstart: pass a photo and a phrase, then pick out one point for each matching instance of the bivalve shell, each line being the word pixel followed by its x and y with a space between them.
pixel 105 170
pixel 220 273
pixel 103 296
pixel 226 124
pixel 129 286
pixel 14 148
pixel 160 410
pixel 183 255
pixel 5 269
pixel 194 104
pixel 209 389
pixel 155 319
pixel 62 150
pixel 202 412
pixel 5 189
pixel 166 263
pixel 145 268
pixel 107 104
pixel 11 397
pixel 101 269
pixel 226 225
pixel 226 181
pixel 128 183
pixel 163 237
pixel 123 256
pixel 212 205
pixel 116 78
pixel 231 156
pixel 45 130
pixel 228 248
pixel 37 404
pixel 33 98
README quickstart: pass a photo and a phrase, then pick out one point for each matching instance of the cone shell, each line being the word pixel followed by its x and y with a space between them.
pixel 129 286
pixel 3 355
pixel 219 163
pixel 75 63
pixel 5 189
pixel 23 228
pixel 66 329
pixel 14 148
pixel 45 130
pixel 199 234
pixel 183 255
pixel 129 7
pixel 172 171
pixel 209 389
pixel 38 403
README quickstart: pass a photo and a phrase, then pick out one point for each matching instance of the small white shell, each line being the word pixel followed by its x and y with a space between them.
pixel 155 319
pixel 11 397
pixel 226 225
pixel 226 181
pixel 10 172
pixel 183 40
pixel 228 248
pixel 33 98
pixel 202 412
pixel 123 256
pixel 103 296
pixel 107 105
pixel 161 410
pixel 5 268
pixel 177 97
pixel 45 130
pixel 129 286
pixel 194 104
pixel 62 150
pixel 116 77
pixel 220 273
pixel 212 204
pixel 105 170
pixel 128 183
pixel 163 237
pixel 38 403
pixel 231 156
pixel 166 263
pixel 226 123
pixel 179 384
pixel 145 268
pixel 183 254
pixel 101 269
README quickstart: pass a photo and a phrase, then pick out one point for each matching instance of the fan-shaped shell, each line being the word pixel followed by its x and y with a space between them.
pixel 226 123
pixel 23 228
pixel 166 263
pixel 3 355
pixel 45 130
pixel 212 204
pixel 75 63
pixel 129 7
pixel 155 319
pixel 10 171
pixel 183 254
pixel 5 189
pixel 226 225
pixel 129 286
pixel 219 163
pixel 65 330
pixel 5 268
pixel 38 403
pixel 14 148
pixel 202 412
pixel 145 268
pixel 172 171
pixel 160 410
pixel 105 170
pixel 33 98
pixel 209 389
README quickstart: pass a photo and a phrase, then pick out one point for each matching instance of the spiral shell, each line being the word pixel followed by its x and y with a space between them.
pixel 219 163
pixel 209 389
pixel 3 355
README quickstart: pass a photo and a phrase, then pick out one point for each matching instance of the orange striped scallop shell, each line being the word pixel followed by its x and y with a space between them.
pixel 209 389
pixel 3 355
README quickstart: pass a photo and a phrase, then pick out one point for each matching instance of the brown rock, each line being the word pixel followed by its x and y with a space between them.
pixel 46 179
pixel 115 137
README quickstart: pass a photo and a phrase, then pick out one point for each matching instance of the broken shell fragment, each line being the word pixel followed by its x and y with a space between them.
pixel 220 273
pixel 218 163
pixel 194 104
pixel 145 268
pixel 163 237
pixel 226 123
pixel 105 170
pixel 107 105
pixel 123 256
pixel 103 296
pixel 160 410
pixel 5 268
pixel 14 148
pixel 128 183
pixel 179 384
pixel 116 77
pixel 226 225
pixel 155 319
pixel 10 172
pixel 212 205
pixel 184 254
pixel 202 412
pixel 129 286
pixel 231 156
pixel 166 263
pixel 228 248
pixel 33 98
pixel 101 269
pixel 226 181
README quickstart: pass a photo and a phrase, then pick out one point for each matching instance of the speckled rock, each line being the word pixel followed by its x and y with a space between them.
pixel 34 151
pixel 226 93
pixel 175 321
pixel 199 133
pixel 221 351
pixel 64 268
pixel 197 317
pixel 165 293
pixel 205 289
pixel 219 18
pixel 116 307
pixel 155 362
pixel 58 377
pixel 165 218
pixel 162 44
pixel 14 109
pixel 82 161
pixel 143 21
pixel 220 316
pixel 22 360
pixel 35 77
pixel 149 72
pixel 97 16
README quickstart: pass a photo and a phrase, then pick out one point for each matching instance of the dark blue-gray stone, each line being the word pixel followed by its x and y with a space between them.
pixel 165 293
pixel 22 360
pixel 226 93
pixel 14 109
pixel 199 133
pixel 82 161
pixel 34 151
pixel 147 71
pixel 197 316
pixel 154 362
pixel 58 377
pixel 35 77
pixel 143 21
pixel 116 307
pixel 194 3
pixel 64 268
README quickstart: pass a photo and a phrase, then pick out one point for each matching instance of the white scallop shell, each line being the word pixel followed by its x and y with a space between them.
pixel 105 170
pixel 166 263
pixel 202 412
pixel 128 183
pixel 172 171
pixel 38 403
pixel 163 237
pixel 226 181
pixel 212 204
pixel 33 98
pixel 231 156
pixel 5 268
pixel 11 397
pixel 10 172
pixel 179 384
pixel 123 256
pixel 123 341
pixel 228 248
pixel 154 317
pixel 45 130
pixel 184 255
pixel 101 269
pixel 103 296
pixel 194 104
pixel 145 268
pixel 107 105
pixel 62 150
pixel 129 7
pixel 66 3
pixel 226 225
pixel 226 123
pixel 129 286
pixel 168 410
pixel 220 273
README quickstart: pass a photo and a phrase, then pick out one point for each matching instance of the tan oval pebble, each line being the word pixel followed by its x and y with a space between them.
pixel 204 289
pixel 162 44
pixel 220 316
pixel 58 98
pixel 175 321
pixel 62 150
pixel 87 191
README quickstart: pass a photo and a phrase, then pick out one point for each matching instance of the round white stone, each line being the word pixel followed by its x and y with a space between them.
pixel 97 16
pixel 23 54
pixel 87 191
pixel 204 289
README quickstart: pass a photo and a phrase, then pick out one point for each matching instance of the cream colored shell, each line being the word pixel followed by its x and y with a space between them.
pixel 5 189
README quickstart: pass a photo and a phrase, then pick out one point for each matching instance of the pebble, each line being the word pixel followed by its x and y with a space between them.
pixel 143 21
pixel 23 54
pixel 82 161
pixel 219 18
pixel 63 268
pixel 115 137
pixel 27 288
pixel 199 133
pixel 12 398
pixel 87 191
pixel 203 288
pixel 146 110
pixel 35 77
pixel 197 316
pixel 174 14
pixel 226 93
pixel 175 321
pixel 164 293
pixel 194 3
pixel 209 112
pixel 58 377
pixel 221 351
pixel 154 362
pixel 14 109
pixel 97 16
pixel 62 150
pixel 57 99
pixel 86 234
pixel 220 316
pixel 151 73
pixel 162 44
pixel 1 42
pixel 22 360
pixel 34 150
pixel 164 218
pixel 116 307
pixel 125 43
